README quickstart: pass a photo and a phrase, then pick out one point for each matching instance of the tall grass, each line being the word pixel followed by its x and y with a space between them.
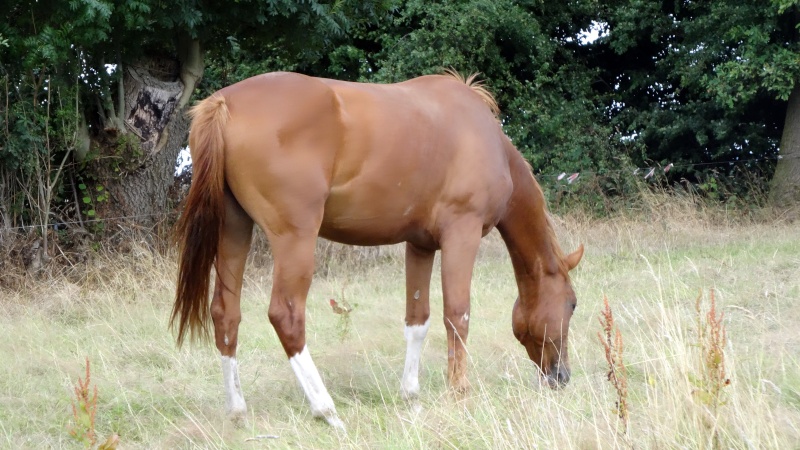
pixel 651 268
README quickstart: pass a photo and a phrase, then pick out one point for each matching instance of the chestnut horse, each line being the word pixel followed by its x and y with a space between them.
pixel 423 162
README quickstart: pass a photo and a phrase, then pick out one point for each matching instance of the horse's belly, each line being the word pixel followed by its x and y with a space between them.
pixel 365 230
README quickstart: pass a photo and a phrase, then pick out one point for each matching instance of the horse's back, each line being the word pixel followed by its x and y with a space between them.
pixel 393 162
pixel 417 153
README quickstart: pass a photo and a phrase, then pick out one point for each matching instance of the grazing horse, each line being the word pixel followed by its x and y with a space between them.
pixel 423 162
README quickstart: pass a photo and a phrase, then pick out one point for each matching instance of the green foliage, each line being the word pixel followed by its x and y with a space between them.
pixel 236 64
pixel 699 81
pixel 91 197
pixel 36 137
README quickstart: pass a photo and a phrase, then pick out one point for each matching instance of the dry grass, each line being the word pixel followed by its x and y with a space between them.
pixel 651 267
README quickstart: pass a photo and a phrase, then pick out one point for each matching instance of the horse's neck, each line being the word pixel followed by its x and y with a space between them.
pixel 525 228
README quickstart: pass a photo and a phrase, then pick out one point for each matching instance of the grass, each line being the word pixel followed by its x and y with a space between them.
pixel 115 312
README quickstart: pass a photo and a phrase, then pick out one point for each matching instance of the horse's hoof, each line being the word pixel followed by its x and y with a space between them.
pixel 460 390
pixel 336 423
pixel 238 418
pixel 409 395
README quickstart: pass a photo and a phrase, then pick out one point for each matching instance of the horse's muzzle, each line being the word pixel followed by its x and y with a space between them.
pixel 558 377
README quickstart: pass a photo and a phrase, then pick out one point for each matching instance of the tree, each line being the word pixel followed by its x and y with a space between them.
pixel 707 81
pixel 132 68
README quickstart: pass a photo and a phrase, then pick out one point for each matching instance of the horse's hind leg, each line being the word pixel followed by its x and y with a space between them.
pixel 293 252
pixel 419 264
pixel 225 311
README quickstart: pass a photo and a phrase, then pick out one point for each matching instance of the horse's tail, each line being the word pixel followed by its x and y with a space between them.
pixel 199 228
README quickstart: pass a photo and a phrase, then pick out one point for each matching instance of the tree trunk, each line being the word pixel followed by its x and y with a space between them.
pixel 156 93
pixel 785 184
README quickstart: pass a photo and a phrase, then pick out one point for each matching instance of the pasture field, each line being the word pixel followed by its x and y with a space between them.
pixel 651 270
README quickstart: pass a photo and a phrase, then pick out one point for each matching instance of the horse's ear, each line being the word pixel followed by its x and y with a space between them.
pixel 574 258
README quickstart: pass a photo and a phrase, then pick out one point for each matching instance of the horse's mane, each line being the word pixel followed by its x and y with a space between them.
pixel 559 254
pixel 478 87
pixel 551 232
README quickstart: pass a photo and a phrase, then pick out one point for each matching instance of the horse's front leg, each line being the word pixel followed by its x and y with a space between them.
pixel 419 264
pixel 459 249
pixel 292 272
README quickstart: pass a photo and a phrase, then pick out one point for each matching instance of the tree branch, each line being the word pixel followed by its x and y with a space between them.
pixel 120 86
pixel 192 66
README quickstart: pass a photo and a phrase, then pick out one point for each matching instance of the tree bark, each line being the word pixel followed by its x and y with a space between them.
pixel 785 185
pixel 156 93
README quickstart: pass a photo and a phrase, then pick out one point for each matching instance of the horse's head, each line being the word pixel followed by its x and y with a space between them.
pixel 541 320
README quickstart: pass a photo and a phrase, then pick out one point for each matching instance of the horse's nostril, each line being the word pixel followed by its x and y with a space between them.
pixel 562 376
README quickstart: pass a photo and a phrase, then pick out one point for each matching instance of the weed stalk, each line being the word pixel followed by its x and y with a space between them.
pixel 711 337
pixel 84 408
pixel 343 309
pixel 84 412
pixel 611 339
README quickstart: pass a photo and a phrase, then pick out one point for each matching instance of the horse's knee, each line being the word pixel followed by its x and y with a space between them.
pixel 457 320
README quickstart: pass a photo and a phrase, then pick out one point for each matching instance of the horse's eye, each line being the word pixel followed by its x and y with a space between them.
pixel 574 305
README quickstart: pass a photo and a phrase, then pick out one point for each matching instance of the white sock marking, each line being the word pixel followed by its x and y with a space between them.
pixel 316 393
pixel 234 400
pixel 415 337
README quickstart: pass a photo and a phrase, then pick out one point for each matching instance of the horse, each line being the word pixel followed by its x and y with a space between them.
pixel 423 162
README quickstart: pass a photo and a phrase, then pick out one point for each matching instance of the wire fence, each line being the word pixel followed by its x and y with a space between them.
pixel 650 171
